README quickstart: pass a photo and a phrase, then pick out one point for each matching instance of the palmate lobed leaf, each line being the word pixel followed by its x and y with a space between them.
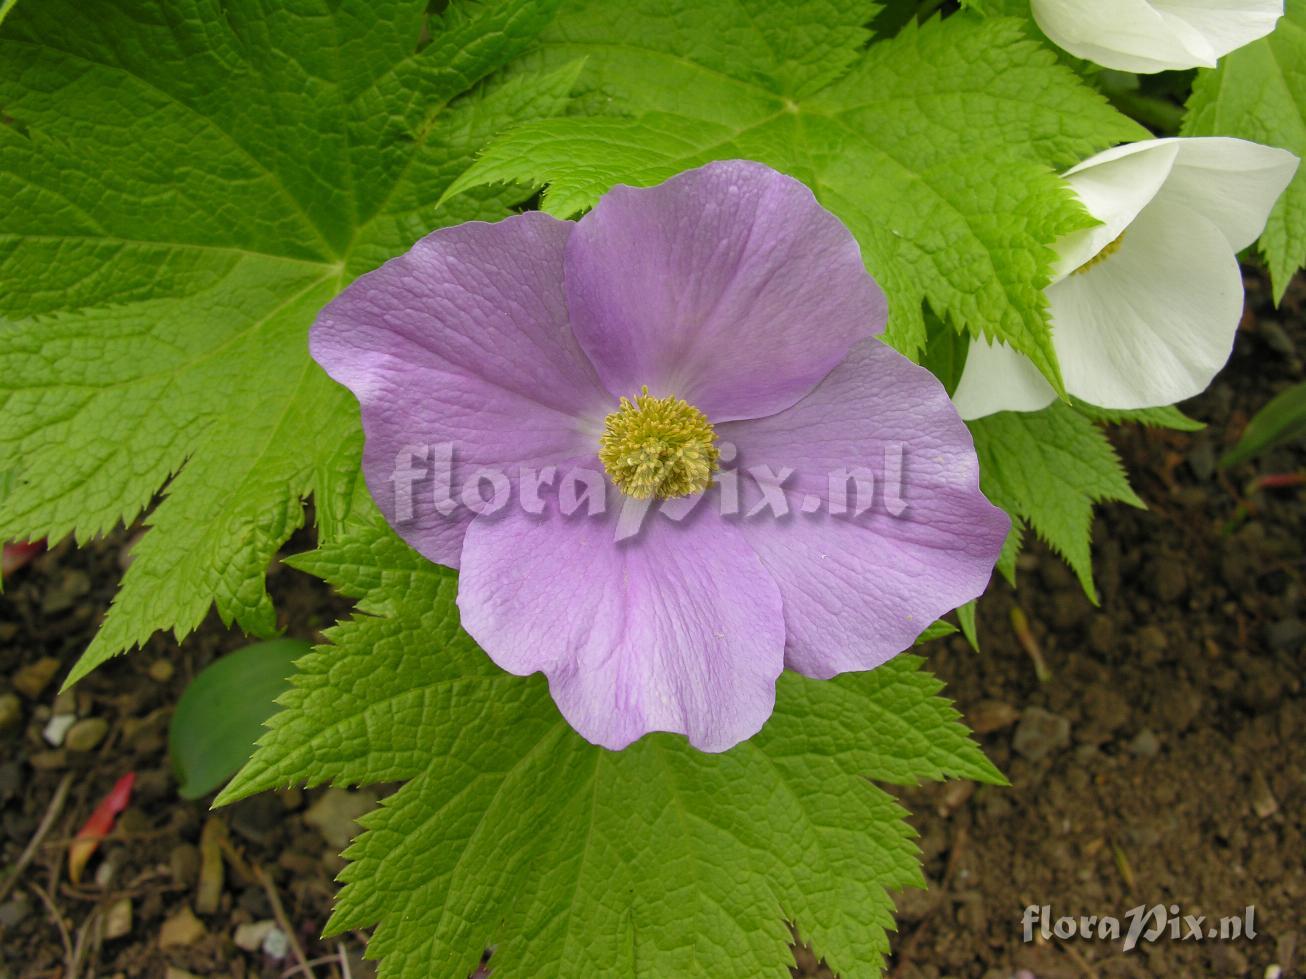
pixel 1259 93
pixel 1047 469
pixel 937 147
pixel 572 860
pixel 187 184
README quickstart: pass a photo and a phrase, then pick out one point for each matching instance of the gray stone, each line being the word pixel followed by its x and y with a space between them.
pixel 1145 744
pixel 1169 578
pixel 56 729
pixel 1040 733
pixel 335 815
pixel 12 912
pixel 1286 633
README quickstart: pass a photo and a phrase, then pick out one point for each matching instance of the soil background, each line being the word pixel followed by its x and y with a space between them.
pixel 1163 761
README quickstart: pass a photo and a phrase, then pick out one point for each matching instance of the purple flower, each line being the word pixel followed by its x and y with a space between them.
pixel 722 310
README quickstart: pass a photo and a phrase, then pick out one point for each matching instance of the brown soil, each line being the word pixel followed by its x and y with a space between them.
pixel 1163 762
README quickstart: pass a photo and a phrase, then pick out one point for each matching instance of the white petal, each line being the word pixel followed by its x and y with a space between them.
pixel 997 378
pixel 1114 186
pixel 1128 35
pixel 1225 24
pixel 1152 323
pixel 1233 182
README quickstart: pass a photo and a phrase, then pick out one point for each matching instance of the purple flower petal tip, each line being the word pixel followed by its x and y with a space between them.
pixel 664 449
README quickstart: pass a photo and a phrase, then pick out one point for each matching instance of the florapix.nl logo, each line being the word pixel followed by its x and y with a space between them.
pixel 435 481
pixel 1144 923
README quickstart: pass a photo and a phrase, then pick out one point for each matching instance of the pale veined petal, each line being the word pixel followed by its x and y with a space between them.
pixel 1232 182
pixel 1225 24
pixel 1114 186
pixel 997 378
pixel 1128 35
pixel 1151 323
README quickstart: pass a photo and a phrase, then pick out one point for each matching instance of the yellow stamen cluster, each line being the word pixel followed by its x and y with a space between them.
pixel 1103 255
pixel 661 447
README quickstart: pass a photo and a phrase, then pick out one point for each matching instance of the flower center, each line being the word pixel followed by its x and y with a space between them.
pixel 1103 255
pixel 658 447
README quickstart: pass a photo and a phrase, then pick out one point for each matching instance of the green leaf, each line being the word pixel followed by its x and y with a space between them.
pixel 936 630
pixel 1047 469
pixel 1282 420
pixel 969 628
pixel 938 147
pixel 222 711
pixel 998 8
pixel 1166 417
pixel 945 352
pixel 1011 548
pixel 186 187
pixel 1259 93
pixel 571 860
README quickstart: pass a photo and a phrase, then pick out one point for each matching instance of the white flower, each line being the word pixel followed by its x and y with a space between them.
pixel 1155 35
pixel 1145 305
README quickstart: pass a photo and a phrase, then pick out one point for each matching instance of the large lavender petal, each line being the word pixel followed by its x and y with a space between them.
pixel 728 286
pixel 677 629
pixel 859 589
pixel 463 340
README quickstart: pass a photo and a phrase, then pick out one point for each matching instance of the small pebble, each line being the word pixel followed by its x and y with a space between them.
pixel 275 944
pixel 33 678
pixel 1285 948
pixel 184 864
pixel 181 929
pixel 1168 578
pixel 954 795
pixel 1152 644
pixel 250 936
pixel 1102 635
pixel 11 779
pixel 1228 961
pixel 11 711
pixel 1263 802
pixel 1145 744
pixel 914 904
pixel 104 874
pixel 1040 733
pixel 334 815
pixel 161 670
pixel 292 798
pixel 1285 633
pixel 13 912
pixel 118 919
pixel 64 594
pixel 86 733
pixel 56 729
pixel 991 715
